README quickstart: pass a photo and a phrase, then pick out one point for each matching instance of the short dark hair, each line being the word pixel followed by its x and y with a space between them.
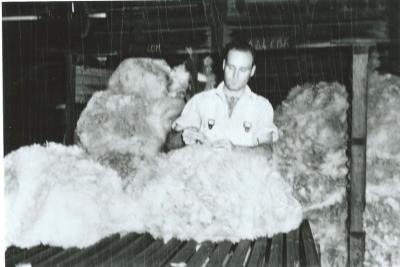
pixel 240 45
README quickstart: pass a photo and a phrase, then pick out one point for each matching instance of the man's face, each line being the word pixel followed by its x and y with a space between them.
pixel 238 68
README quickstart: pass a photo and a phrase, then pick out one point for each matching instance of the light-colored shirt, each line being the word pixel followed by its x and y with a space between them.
pixel 249 124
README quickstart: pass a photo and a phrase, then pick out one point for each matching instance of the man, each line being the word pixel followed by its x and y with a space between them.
pixel 231 114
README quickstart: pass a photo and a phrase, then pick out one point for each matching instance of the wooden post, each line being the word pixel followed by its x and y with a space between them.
pixel 394 34
pixel 358 156
pixel 232 10
pixel 194 73
pixel 70 101
pixel 70 80
pixel 216 20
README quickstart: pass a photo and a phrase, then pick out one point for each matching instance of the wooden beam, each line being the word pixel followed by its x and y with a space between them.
pixel 394 20
pixel 239 256
pixel 310 257
pixel 257 256
pixel 394 35
pixel 216 20
pixel 293 248
pixel 70 101
pixel 232 10
pixel 276 252
pixel 358 155
pixel 201 254
pixel 218 256
pixel 184 253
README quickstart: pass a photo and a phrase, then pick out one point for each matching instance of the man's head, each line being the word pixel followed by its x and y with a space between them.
pixel 238 65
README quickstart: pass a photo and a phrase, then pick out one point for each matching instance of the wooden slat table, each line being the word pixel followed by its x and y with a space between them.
pixel 296 248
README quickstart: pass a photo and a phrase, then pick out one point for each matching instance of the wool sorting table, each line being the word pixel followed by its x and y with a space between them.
pixel 296 248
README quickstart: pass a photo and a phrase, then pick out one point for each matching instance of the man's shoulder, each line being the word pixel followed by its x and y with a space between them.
pixel 260 100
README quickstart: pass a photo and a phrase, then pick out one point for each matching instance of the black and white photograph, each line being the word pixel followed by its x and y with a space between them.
pixel 209 133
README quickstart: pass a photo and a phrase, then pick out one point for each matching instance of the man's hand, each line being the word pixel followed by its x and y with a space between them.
pixel 174 141
pixel 192 136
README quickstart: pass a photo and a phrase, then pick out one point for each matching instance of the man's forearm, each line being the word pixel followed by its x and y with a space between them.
pixel 265 149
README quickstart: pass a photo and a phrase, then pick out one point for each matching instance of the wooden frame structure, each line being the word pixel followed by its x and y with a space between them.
pixel 296 248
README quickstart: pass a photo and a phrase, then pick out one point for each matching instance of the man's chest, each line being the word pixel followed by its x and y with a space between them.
pixel 218 121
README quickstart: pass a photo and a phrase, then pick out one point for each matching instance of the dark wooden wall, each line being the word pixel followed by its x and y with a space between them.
pixel 33 77
pixel 297 41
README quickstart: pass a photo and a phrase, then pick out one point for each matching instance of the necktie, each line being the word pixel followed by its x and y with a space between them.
pixel 231 103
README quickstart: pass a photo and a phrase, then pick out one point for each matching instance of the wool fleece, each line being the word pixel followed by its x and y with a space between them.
pixel 311 156
pixel 117 180
pixel 382 210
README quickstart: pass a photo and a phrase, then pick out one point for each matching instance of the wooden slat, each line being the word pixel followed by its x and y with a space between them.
pixel 144 257
pixel 239 255
pixel 53 260
pixel 96 73
pixel 219 254
pixel 161 256
pixel 11 251
pixel 184 253
pixel 276 253
pixel 257 256
pixel 310 257
pixel 201 255
pixel 20 256
pixel 88 81
pixel 108 252
pixel 133 248
pixel 70 121
pixel 293 248
pixel 44 255
pixel 88 252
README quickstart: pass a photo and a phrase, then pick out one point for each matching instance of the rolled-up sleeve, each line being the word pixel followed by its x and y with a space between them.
pixel 265 123
pixel 190 116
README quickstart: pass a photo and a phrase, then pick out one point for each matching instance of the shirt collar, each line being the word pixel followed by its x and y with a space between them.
pixel 220 90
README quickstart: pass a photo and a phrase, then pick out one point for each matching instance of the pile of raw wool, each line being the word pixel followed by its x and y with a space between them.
pixel 197 192
pixel 183 194
pixel 311 153
pixel 62 197
pixel 129 121
pixel 206 193
pixel 382 212
pixel 57 195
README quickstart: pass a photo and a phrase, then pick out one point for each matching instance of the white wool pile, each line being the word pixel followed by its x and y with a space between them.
pixel 311 153
pixel 382 212
pixel 148 77
pixel 383 116
pixel 121 129
pixel 215 194
pixel 57 195
pixel 61 196
pixel 130 120
pixel 143 76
